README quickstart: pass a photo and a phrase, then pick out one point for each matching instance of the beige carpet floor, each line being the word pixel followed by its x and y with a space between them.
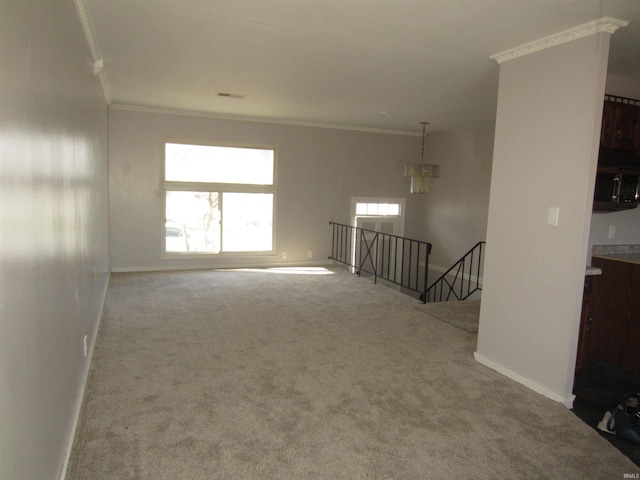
pixel 464 315
pixel 278 374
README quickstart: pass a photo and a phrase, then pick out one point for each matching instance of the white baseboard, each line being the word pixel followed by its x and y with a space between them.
pixel 566 400
pixel 165 268
pixel 83 382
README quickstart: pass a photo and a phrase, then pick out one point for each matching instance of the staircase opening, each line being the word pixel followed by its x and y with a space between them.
pixel 404 262
pixel 462 280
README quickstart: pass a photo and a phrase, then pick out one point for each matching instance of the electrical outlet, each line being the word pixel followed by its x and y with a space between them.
pixel 84 345
pixel 284 255
pixel 612 231
pixel 309 254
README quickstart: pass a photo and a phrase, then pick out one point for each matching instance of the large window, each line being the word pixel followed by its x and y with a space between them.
pixel 218 199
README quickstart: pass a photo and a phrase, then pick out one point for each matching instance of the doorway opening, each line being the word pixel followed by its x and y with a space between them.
pixel 384 215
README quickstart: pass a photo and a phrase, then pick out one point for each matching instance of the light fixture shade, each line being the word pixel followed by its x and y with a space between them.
pixel 421 170
pixel 420 173
pixel 419 184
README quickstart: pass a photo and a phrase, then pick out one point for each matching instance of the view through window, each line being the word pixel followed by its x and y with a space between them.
pixel 218 199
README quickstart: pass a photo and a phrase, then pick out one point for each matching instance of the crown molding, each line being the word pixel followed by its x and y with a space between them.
pixel 604 24
pixel 98 62
pixel 248 118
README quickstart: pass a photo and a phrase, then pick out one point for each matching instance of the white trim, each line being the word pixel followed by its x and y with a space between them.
pixel 247 118
pixel 166 268
pixel 98 62
pixel 395 200
pixel 566 400
pixel 604 24
pixel 83 382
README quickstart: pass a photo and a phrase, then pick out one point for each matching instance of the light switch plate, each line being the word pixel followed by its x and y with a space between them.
pixel 552 217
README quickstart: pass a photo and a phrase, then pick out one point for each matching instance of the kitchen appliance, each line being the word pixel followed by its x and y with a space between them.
pixel 616 187
pixel 628 189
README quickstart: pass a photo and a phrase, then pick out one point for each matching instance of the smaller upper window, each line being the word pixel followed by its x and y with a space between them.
pixel 213 164
pixel 378 209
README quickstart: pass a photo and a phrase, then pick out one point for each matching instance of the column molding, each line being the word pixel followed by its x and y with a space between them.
pixel 604 24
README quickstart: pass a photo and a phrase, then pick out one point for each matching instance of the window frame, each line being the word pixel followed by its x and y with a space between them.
pixel 220 189
pixel 401 202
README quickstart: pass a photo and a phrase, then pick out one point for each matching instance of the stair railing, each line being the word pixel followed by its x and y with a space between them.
pixel 398 260
pixel 466 278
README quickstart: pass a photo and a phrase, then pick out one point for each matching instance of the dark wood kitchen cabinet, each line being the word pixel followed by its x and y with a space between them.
pixel 585 324
pixel 621 126
pixel 619 156
pixel 615 329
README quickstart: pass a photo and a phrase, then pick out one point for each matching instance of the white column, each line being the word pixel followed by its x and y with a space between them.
pixel 549 111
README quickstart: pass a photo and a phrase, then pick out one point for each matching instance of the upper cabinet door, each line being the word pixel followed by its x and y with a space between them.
pixel 608 125
pixel 625 127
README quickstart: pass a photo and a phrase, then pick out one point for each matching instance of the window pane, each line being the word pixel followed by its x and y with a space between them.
pixel 204 163
pixel 247 222
pixel 378 209
pixel 193 222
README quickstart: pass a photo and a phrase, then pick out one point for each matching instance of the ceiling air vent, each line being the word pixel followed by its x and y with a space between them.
pixel 230 95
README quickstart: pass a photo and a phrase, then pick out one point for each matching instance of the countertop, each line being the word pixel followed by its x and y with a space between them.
pixel 619 253
pixel 593 271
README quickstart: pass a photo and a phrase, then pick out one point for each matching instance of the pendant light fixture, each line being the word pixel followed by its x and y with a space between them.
pixel 420 173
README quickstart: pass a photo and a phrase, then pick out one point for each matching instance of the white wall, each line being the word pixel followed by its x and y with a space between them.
pixel 623 87
pixel 626 223
pixel 53 231
pixel 318 171
pixel 453 215
pixel 545 155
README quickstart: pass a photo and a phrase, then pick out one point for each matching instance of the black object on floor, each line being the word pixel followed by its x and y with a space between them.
pixel 599 389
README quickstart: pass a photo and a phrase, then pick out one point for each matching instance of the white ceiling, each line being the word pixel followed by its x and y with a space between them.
pixel 363 64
